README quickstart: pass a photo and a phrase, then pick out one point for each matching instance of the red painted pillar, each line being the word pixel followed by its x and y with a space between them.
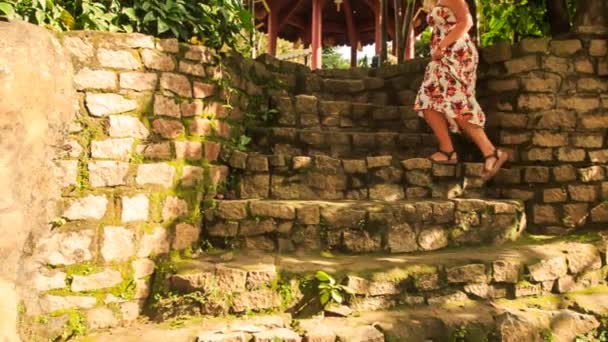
pixel 409 47
pixel 353 56
pixel 273 28
pixel 378 30
pixel 317 49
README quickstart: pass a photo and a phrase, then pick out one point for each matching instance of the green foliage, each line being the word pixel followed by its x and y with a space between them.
pixel 333 60
pixel 422 46
pixel 329 289
pixel 598 335
pixel 214 23
pixel 510 20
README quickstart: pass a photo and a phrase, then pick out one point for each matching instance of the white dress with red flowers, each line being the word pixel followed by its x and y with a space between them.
pixel 449 83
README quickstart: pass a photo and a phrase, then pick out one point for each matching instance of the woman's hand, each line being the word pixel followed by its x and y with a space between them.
pixel 437 54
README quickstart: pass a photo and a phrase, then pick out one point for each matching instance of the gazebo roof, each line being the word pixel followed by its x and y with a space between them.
pixel 295 20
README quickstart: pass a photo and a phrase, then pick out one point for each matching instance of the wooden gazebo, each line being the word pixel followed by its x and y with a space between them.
pixel 321 23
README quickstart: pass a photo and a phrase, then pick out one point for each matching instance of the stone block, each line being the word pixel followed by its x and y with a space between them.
pixel 192 108
pixel 104 104
pixel 256 300
pixel 506 271
pixel 541 82
pixel 122 126
pixel 66 248
pixel 357 241
pixel 591 174
pixel 265 209
pixel 565 48
pixel 166 106
pixel 178 84
pixel 566 154
pixel 402 239
pixel 195 69
pixel 534 45
pixel 66 172
pixel 500 52
pixel 204 90
pixel 255 186
pixel 155 174
pixel 174 207
pixel 224 229
pixel 45 280
pixel 308 214
pixel 51 303
pixel 95 79
pixel 594 121
pixel 232 210
pixel 118 244
pixel 536 102
pixel 599 156
pixel 168 129
pixel 599 214
pixel 191 150
pixel 583 193
pixel 101 318
pixel 101 280
pixel 135 208
pixel 578 103
pixel 433 238
pixel 200 127
pixel 161 151
pixel 555 195
pixel 472 273
pixel 257 163
pixel 154 243
pixel 257 227
pixel 386 192
pixel 90 207
pixel 117 59
pixel 112 148
pixel 143 268
pixel 583 65
pixel 138 81
pixel 212 150
pixel 185 235
pixel 107 173
pixel 536 174
pixel 306 104
pixel 548 269
pixel 522 64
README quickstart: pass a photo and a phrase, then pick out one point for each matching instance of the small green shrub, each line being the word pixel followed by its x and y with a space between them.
pixel 329 290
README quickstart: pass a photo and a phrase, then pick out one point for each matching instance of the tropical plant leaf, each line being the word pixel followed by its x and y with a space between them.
pixel 7 9
pixel 322 276
pixel 336 296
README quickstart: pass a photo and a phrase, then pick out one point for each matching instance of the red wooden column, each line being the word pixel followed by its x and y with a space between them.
pixel 409 47
pixel 352 33
pixel 273 28
pixel 317 48
pixel 378 30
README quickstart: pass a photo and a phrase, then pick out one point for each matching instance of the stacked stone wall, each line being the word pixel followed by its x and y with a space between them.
pixel 142 157
pixel 545 101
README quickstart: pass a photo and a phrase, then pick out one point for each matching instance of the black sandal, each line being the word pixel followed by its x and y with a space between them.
pixel 448 156
pixel 501 158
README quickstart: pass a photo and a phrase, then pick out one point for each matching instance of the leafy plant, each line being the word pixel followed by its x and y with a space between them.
pixel 216 23
pixel 329 290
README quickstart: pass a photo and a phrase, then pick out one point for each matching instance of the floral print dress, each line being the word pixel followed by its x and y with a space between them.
pixel 449 83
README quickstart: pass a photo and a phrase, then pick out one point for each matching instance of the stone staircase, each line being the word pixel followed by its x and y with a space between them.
pixel 337 182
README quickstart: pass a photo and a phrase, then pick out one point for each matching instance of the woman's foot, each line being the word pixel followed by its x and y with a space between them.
pixel 493 163
pixel 443 157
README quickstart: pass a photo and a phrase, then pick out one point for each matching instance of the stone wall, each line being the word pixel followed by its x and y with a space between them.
pixel 36 103
pixel 544 99
pixel 140 159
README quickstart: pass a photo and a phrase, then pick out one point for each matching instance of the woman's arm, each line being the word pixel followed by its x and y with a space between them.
pixel 464 22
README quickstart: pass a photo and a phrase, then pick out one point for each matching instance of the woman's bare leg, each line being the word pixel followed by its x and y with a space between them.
pixel 480 138
pixel 439 125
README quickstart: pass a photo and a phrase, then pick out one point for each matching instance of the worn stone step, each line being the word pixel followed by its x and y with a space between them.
pixel 373 178
pixel 362 226
pixel 342 144
pixel 311 111
pixel 256 282
pixel 555 317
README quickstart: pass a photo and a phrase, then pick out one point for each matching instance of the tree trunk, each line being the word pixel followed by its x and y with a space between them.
pixel 473 31
pixel 591 17
pixel 559 18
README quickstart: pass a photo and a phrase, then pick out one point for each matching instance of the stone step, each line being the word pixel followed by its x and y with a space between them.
pixel 250 282
pixel 362 226
pixel 342 144
pixel 313 111
pixel 373 178
pixel 556 317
